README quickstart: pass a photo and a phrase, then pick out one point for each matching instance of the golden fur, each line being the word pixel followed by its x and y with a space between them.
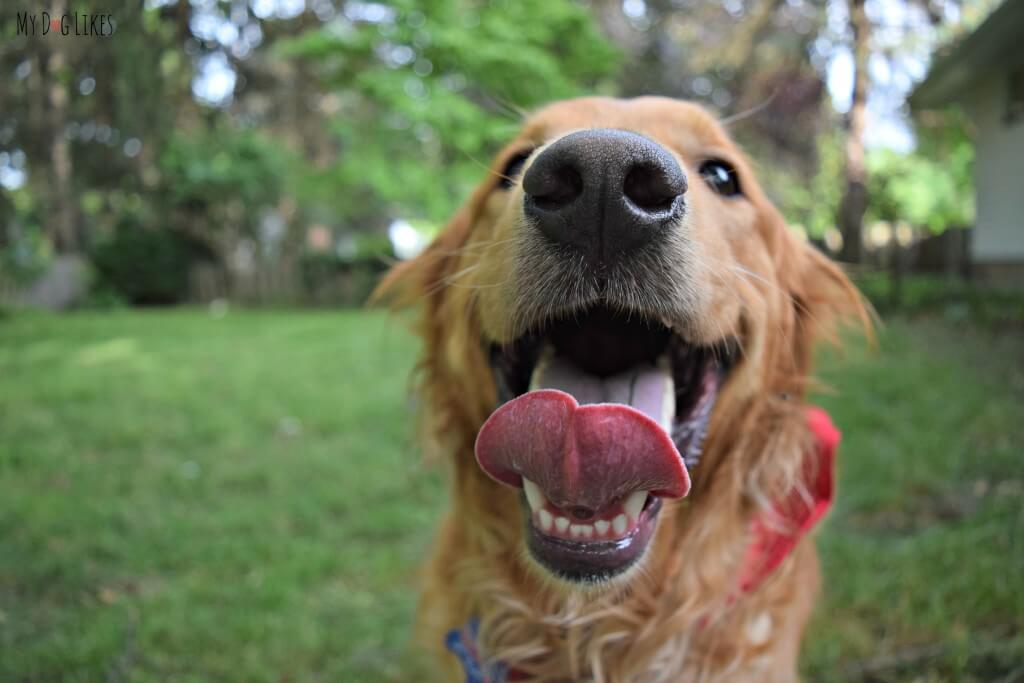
pixel 672 619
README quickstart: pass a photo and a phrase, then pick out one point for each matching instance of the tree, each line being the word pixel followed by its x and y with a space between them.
pixel 422 93
pixel 854 203
pixel 932 187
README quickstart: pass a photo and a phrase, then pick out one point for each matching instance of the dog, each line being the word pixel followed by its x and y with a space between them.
pixel 618 330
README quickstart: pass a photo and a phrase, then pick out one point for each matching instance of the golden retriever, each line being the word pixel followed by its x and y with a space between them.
pixel 618 330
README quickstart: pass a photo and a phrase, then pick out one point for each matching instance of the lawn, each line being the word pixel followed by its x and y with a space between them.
pixel 238 498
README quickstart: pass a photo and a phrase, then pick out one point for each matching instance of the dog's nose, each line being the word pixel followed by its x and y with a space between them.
pixel 604 192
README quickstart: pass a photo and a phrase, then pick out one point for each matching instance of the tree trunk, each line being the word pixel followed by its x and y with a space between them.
pixel 897 269
pixel 855 199
pixel 63 226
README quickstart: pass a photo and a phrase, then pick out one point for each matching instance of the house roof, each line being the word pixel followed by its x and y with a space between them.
pixel 997 43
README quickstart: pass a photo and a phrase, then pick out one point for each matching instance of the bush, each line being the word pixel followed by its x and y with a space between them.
pixel 957 300
pixel 332 281
pixel 145 267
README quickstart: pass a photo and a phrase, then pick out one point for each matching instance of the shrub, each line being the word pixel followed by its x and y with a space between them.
pixel 333 281
pixel 145 267
pixel 955 299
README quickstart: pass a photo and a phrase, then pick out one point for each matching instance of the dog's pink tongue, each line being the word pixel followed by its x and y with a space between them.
pixel 586 455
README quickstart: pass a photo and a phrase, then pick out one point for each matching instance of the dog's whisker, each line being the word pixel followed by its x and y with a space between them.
pixel 752 111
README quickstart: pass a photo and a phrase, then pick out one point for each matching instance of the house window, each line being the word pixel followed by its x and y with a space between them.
pixel 1015 96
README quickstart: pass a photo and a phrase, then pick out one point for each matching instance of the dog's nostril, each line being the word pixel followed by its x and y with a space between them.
pixel 653 188
pixel 553 189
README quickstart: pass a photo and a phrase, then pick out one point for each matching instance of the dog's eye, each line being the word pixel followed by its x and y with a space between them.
pixel 512 168
pixel 721 177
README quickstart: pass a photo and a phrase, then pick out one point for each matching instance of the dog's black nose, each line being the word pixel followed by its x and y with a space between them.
pixel 604 192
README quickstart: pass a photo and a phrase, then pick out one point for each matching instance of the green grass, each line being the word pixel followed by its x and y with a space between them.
pixel 201 499
pixel 184 497
pixel 924 553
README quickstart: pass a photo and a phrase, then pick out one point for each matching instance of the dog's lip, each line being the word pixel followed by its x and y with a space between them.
pixel 592 562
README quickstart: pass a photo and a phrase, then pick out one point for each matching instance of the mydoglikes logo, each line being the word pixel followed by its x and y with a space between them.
pixel 68 24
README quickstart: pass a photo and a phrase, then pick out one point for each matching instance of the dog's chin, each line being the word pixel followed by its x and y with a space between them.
pixel 590 565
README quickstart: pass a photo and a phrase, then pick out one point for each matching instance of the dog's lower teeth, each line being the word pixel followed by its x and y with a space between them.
pixel 581 530
pixel 546 520
pixel 615 524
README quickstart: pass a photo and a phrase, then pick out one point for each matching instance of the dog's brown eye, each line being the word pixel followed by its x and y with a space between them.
pixel 721 177
pixel 512 168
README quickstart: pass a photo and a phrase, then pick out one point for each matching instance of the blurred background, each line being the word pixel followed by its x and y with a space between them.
pixel 208 467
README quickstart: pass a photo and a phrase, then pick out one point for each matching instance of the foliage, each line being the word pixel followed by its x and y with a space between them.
pixel 931 187
pixel 347 274
pixel 88 101
pixel 144 266
pixel 425 94
pixel 812 203
pixel 330 280
pixel 345 115
pixel 25 251
pixel 207 168
pixel 956 300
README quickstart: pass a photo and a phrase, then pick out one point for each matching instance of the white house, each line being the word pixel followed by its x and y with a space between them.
pixel 984 74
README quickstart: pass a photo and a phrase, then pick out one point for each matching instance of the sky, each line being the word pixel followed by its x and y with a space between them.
pixel 903 41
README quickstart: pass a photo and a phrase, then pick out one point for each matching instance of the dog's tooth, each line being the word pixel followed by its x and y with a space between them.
pixel 602 527
pixel 588 531
pixel 619 524
pixel 546 519
pixel 576 530
pixel 538 370
pixel 534 495
pixel 634 504
pixel 561 523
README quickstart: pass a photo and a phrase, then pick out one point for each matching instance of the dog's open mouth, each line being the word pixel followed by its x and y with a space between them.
pixel 601 413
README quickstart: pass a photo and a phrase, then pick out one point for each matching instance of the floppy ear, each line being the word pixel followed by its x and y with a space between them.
pixel 822 298
pixel 826 299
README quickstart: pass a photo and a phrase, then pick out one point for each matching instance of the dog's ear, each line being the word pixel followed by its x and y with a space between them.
pixel 821 297
pixel 825 297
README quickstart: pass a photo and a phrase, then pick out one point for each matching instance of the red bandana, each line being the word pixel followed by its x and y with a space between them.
pixel 772 540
